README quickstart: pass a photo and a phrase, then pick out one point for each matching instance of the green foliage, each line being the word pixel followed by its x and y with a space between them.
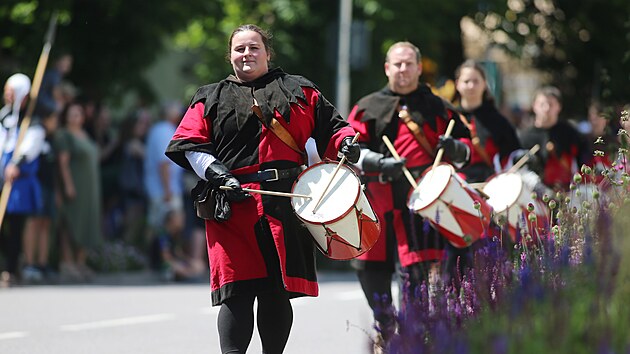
pixel 112 41
pixel 305 36
pixel 582 45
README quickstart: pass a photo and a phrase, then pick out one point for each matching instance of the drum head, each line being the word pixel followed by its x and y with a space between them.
pixel 340 198
pixel 430 187
pixel 504 190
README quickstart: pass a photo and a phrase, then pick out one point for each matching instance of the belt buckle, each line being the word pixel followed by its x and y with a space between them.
pixel 274 170
pixel 382 179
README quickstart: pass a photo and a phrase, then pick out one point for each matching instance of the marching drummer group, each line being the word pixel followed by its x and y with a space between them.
pixel 245 135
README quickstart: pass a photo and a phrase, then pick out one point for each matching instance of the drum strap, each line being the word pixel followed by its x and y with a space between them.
pixel 415 129
pixel 279 130
pixel 476 142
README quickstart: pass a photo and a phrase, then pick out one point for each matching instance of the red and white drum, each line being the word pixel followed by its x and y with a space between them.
pixel 448 202
pixel 510 196
pixel 344 225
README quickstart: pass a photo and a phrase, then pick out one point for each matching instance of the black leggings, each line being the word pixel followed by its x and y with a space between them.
pixel 236 323
pixel 11 241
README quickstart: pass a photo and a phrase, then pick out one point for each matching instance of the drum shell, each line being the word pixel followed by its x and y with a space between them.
pixel 515 212
pixel 340 235
pixel 451 210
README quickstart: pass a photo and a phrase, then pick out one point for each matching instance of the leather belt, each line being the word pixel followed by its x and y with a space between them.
pixel 270 175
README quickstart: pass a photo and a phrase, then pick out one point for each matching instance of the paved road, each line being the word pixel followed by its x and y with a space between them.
pixel 128 314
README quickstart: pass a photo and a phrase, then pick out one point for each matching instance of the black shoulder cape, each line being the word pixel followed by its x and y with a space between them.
pixel 275 90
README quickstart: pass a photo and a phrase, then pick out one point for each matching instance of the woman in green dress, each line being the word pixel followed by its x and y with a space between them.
pixel 80 187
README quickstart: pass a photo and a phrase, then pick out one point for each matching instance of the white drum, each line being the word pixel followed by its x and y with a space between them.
pixel 510 196
pixel 344 225
pixel 447 201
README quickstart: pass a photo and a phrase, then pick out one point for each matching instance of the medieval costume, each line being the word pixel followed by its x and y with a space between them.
pixel 413 123
pixel 262 246
pixel 562 151
pixel 25 196
pixel 493 140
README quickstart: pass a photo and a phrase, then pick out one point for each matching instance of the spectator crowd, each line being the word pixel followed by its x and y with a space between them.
pixel 83 180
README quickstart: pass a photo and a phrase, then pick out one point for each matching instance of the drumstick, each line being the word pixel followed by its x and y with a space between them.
pixel 279 194
pixel 392 150
pixel 524 159
pixel 343 159
pixel 477 185
pixel 438 156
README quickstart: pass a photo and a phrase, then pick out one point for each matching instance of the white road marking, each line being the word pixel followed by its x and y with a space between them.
pixel 125 321
pixel 13 335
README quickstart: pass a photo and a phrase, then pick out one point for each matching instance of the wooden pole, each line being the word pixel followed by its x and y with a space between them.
pixel 26 122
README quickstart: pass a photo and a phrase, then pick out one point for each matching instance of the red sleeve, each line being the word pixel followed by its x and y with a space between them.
pixel 360 127
pixel 193 127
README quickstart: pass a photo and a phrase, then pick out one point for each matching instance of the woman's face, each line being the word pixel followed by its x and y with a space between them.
pixel 75 116
pixel 546 109
pixel 248 55
pixel 470 84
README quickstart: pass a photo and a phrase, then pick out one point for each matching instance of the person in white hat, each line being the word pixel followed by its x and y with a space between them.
pixel 19 166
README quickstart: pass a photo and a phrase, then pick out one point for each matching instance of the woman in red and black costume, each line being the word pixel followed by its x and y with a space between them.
pixel 404 235
pixel 256 246
pixel 493 137
pixel 493 140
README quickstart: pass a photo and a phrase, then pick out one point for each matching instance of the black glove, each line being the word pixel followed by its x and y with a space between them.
pixel 454 149
pixel 352 151
pixel 534 162
pixel 388 166
pixel 218 175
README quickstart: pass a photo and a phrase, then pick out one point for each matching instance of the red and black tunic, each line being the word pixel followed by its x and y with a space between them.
pixel 562 151
pixel 374 116
pixel 262 247
pixel 496 136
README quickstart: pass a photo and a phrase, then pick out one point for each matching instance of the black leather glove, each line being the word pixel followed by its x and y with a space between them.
pixel 454 149
pixel 352 151
pixel 534 162
pixel 218 175
pixel 388 166
pixel 393 168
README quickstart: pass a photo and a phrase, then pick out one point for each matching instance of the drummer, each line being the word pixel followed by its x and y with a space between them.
pixel 562 148
pixel 493 138
pixel 413 119
pixel 256 246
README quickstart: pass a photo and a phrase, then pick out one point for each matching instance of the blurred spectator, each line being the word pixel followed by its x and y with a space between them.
pixel 51 96
pixel 18 168
pixel 110 154
pixel 162 177
pixel 167 254
pixel 37 229
pixel 133 131
pixel 601 135
pixel 81 211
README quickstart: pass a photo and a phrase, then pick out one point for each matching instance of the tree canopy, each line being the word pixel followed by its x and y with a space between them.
pixel 581 44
